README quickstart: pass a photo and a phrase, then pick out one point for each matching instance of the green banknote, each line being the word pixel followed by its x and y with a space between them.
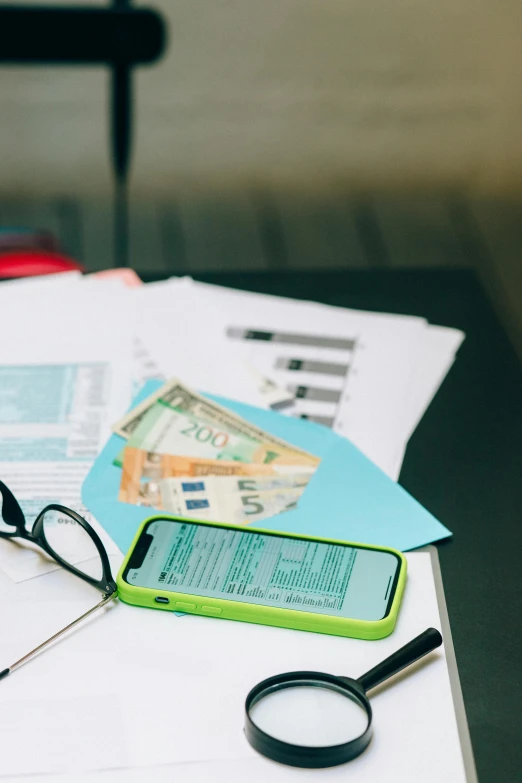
pixel 176 420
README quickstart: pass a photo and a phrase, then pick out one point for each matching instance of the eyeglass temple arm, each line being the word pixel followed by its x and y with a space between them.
pixel 411 652
pixel 43 645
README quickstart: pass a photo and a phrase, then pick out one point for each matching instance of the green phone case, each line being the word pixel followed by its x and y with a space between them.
pixel 254 613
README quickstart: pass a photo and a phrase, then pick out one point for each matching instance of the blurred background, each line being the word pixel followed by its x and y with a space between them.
pixel 290 134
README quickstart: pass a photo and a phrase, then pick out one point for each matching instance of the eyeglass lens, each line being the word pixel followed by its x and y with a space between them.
pixel 70 541
pixel 309 715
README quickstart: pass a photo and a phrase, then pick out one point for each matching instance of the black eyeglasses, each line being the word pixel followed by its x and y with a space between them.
pixel 69 539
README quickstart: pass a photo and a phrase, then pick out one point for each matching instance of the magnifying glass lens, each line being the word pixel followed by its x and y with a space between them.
pixel 309 715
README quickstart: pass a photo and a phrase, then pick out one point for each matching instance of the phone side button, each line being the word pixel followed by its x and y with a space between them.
pixel 213 610
pixel 184 606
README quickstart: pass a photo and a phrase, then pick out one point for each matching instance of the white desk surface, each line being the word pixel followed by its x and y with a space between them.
pixel 134 688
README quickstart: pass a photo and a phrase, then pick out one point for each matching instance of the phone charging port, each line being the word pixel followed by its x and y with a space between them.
pixel 161 600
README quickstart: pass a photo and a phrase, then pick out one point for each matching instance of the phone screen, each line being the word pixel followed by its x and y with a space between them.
pixel 265 569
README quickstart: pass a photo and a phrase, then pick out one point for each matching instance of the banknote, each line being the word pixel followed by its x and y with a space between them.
pixel 207 498
pixel 165 430
pixel 141 466
pixel 177 420
pixel 243 506
pixel 274 396
pixel 125 426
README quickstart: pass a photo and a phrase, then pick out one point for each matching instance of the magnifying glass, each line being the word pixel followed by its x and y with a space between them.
pixel 313 719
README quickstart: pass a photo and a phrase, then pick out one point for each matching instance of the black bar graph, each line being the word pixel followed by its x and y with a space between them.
pixel 289 338
pixel 314 368
pixel 309 365
pixel 316 394
pixel 326 421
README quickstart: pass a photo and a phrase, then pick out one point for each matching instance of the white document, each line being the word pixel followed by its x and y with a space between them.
pixel 121 281
pixel 348 369
pixel 179 332
pixel 41 285
pixel 144 366
pixel 171 692
pixel 370 376
pixel 436 356
pixel 65 376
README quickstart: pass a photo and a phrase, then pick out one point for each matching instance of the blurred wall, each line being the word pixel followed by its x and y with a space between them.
pixel 292 92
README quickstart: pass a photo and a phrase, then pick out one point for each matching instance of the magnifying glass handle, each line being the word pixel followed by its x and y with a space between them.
pixel 411 652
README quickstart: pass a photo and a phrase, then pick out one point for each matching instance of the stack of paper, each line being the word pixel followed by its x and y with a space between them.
pixel 369 376
pixel 75 350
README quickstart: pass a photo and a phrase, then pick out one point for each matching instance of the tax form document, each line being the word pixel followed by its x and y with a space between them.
pixel 64 376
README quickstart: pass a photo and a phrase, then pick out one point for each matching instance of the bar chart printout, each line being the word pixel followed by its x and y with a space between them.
pixel 314 368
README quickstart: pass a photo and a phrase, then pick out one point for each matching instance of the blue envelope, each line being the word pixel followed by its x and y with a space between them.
pixel 348 498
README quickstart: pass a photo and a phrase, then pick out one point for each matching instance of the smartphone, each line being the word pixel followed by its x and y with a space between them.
pixel 261 576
